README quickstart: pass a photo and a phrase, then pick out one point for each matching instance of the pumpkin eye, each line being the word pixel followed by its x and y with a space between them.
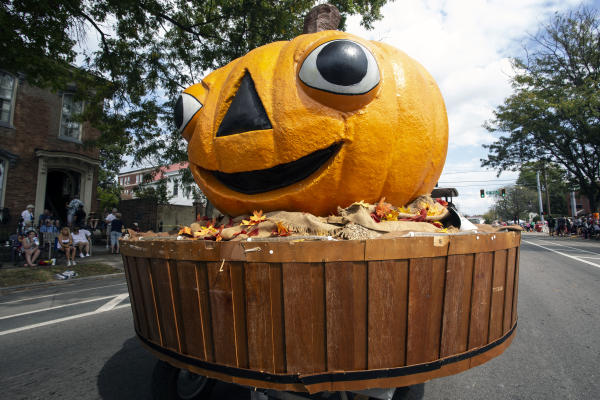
pixel 186 107
pixel 340 67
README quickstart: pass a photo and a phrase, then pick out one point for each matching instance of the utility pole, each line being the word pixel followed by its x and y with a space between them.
pixel 547 191
pixel 537 175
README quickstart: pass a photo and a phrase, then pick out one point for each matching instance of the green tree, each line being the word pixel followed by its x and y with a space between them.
pixel 554 113
pixel 553 184
pixel 517 204
pixel 149 50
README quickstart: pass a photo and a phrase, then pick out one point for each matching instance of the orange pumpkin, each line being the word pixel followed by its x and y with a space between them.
pixel 318 122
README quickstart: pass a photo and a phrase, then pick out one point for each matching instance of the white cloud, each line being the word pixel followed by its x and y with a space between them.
pixel 466 46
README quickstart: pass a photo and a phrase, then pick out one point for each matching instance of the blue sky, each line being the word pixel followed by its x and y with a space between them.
pixel 466 46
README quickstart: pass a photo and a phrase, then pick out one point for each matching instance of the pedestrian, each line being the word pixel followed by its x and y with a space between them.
pixel 31 248
pixel 65 244
pixel 551 225
pixel 116 225
pixel 72 208
pixel 79 216
pixel 560 230
pixel 43 217
pixel 109 218
pixel 27 218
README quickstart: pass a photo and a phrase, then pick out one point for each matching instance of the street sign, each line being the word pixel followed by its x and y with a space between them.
pixel 492 192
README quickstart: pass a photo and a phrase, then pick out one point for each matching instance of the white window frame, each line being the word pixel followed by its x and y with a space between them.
pixel 60 127
pixel 11 116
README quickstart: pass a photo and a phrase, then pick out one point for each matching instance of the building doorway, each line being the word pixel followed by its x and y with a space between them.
pixel 61 187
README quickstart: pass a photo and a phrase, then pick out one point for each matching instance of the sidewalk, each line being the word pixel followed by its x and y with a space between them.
pixel 100 255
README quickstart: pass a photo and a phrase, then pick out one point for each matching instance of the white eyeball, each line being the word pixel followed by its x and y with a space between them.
pixel 186 107
pixel 341 67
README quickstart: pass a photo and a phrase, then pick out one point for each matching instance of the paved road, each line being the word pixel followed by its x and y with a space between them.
pixel 76 340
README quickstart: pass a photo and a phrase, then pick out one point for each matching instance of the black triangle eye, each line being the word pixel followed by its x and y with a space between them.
pixel 246 112
pixel 341 67
pixel 186 107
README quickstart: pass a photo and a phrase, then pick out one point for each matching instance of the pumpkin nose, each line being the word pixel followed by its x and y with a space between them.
pixel 342 62
pixel 246 112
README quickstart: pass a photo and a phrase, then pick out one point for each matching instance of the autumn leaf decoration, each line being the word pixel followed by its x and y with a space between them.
pixel 281 230
pixel 255 219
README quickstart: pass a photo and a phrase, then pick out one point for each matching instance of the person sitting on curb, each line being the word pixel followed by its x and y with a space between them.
pixel 31 248
pixel 81 240
pixel 65 244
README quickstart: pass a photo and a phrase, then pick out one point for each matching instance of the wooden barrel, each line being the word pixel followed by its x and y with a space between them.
pixel 325 315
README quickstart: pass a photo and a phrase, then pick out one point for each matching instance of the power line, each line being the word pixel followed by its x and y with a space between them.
pixel 483 181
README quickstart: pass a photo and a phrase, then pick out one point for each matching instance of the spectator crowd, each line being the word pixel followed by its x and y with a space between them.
pixel 71 237
pixel 587 227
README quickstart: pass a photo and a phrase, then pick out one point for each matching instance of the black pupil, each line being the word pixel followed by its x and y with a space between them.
pixel 179 112
pixel 342 63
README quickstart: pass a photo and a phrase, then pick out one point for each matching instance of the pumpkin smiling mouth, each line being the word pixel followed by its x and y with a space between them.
pixel 279 176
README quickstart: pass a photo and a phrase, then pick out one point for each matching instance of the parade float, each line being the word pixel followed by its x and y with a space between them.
pixel 338 273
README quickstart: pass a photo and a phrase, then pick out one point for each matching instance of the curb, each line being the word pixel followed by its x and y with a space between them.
pixel 20 288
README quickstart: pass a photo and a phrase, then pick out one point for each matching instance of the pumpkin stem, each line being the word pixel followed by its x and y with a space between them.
pixel 321 18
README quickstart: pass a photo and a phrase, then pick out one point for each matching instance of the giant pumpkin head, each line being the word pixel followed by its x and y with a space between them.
pixel 318 122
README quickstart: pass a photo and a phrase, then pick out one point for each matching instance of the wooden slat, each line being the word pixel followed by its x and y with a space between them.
pixel 221 307
pixel 406 248
pixel 304 315
pixel 480 301
pixel 134 297
pixel 457 304
pixel 509 292
pixel 188 313
pixel 164 303
pixel 346 313
pixel 388 300
pixel 277 326
pixel 498 292
pixel 258 314
pixel 516 287
pixel 205 310
pixel 483 242
pixel 239 314
pixel 425 301
pixel 145 277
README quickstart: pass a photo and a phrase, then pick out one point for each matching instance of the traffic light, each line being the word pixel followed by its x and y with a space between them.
pixel 503 192
pixel 482 193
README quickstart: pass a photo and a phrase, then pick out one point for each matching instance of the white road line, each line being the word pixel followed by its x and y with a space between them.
pixel 112 304
pixel 563 254
pixel 61 306
pixel 56 321
pixel 59 294
pixel 578 249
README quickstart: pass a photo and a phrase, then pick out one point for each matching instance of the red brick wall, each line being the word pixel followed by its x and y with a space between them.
pixel 36 125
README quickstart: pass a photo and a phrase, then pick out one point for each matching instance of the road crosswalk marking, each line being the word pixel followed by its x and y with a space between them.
pixel 61 306
pixel 69 318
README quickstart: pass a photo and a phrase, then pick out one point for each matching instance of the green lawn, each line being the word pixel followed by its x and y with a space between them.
pixel 25 275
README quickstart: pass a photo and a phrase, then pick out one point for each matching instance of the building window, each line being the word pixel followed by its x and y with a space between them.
pixel 175 188
pixel 70 129
pixel 7 97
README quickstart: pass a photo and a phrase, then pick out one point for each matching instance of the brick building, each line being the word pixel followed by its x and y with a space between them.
pixel 43 160
pixel 180 194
